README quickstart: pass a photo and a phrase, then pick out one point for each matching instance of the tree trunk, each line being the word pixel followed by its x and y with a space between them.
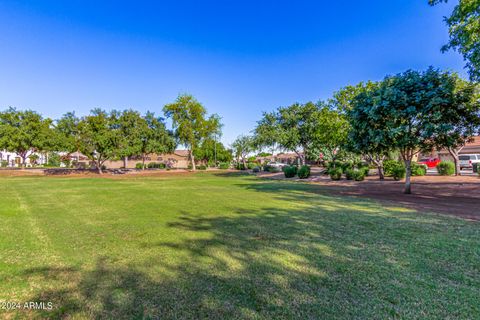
pixel 244 163
pixel 408 174
pixel 99 167
pixel 456 161
pixel 24 161
pixel 125 162
pixel 143 161
pixel 381 173
pixel 192 159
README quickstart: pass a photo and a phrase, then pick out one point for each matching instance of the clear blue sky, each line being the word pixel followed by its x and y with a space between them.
pixel 238 58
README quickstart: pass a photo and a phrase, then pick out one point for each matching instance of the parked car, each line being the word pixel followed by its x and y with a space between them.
pixel 429 162
pixel 467 160
pixel 275 164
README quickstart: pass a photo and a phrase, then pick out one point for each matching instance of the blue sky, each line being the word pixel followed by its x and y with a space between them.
pixel 238 58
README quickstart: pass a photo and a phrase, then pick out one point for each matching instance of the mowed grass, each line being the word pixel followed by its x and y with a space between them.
pixel 225 246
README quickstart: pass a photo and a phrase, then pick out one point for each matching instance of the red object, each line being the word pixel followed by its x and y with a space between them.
pixel 430 162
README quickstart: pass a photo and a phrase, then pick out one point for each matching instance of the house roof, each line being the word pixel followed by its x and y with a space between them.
pixel 472 147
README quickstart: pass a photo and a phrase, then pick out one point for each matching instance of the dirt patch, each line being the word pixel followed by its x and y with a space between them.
pixel 456 196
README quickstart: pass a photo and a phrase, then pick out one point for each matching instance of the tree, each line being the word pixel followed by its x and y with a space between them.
pixel 99 137
pixel 293 128
pixel 406 112
pixel 211 151
pixel 464 30
pixel 242 146
pixel 459 122
pixel 24 132
pixel 66 131
pixel 154 137
pixel 363 136
pixel 190 123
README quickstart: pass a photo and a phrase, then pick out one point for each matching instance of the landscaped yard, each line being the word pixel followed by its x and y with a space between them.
pixel 228 246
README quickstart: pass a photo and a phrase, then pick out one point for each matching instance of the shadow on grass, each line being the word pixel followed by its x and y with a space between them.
pixel 314 257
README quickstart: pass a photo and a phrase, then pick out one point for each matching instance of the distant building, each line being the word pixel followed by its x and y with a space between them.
pixel 178 159
pixel 472 147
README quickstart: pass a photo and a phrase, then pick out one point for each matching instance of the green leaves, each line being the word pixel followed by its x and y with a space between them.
pixel 464 31
pixel 189 121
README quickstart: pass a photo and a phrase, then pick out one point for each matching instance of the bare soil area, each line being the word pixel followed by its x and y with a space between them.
pixel 457 196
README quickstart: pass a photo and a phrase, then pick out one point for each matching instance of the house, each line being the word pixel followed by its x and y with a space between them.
pixel 12 160
pixel 178 159
pixel 444 155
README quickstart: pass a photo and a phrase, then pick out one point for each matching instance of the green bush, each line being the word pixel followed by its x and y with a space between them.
pixel 273 169
pixel 290 171
pixel 359 175
pixel 240 166
pixel 364 167
pixel 251 165
pixel 336 173
pixel 155 165
pixel 446 168
pixel 256 169
pixel 53 159
pixel 418 169
pixel 349 173
pixel 398 172
pixel 304 172
pixel 347 165
pixel 389 166
pixel 4 163
pixel 139 165
pixel 224 165
pixel 202 167
pixel 333 165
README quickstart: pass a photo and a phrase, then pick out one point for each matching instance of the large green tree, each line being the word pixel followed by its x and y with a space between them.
pixel 191 123
pixel 154 137
pixel 99 137
pixel 24 132
pixel 292 128
pixel 464 30
pixel 406 112
pixel 242 146
pixel 363 137
pixel 460 121
pixel 211 152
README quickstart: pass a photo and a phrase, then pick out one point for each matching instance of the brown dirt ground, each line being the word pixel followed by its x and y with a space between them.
pixel 456 196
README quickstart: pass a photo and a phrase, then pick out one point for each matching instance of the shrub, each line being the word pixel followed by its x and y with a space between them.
pixel 304 172
pixel 53 159
pixel 256 169
pixel 251 165
pixel 155 165
pixel 273 169
pixel 418 169
pixel 202 167
pixel 364 167
pixel 333 165
pixel 349 173
pixel 139 165
pixel 290 171
pixel 446 168
pixel 398 172
pixel 347 165
pixel 390 165
pixel 359 175
pixel 224 165
pixel 336 173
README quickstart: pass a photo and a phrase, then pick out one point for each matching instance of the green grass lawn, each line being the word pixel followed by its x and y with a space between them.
pixel 222 247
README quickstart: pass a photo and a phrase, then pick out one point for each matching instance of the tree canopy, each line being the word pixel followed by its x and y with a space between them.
pixel 24 132
pixel 464 30
pixel 190 122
